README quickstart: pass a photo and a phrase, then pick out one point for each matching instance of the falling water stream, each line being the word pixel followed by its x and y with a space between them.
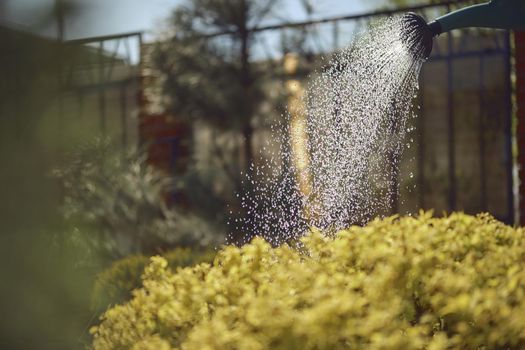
pixel 341 145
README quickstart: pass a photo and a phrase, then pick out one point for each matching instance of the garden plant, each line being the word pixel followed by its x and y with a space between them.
pixel 397 283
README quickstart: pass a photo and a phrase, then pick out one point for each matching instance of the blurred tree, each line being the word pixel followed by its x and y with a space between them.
pixel 213 77
pixel 216 78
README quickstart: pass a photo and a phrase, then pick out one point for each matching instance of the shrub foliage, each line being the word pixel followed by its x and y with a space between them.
pixel 121 198
pixel 398 283
pixel 115 284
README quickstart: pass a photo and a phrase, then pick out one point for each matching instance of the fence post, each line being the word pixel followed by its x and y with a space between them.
pixel 519 44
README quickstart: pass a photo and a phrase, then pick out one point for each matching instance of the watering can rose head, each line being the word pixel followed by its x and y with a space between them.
pixel 417 34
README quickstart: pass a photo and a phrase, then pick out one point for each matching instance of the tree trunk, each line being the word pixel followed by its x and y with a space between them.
pixel 247 133
pixel 246 82
pixel 247 108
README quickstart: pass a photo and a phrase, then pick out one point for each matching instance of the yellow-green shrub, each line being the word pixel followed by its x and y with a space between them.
pixel 114 285
pixel 399 283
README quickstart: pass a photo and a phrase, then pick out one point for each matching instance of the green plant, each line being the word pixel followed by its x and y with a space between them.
pixel 115 284
pixel 398 283
pixel 122 197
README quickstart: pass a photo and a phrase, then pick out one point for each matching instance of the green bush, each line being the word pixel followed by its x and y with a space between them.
pixel 115 284
pixel 399 283
pixel 119 196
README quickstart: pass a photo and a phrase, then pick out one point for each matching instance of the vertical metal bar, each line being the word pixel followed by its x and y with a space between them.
pixel 140 89
pixel 60 127
pixel 101 92
pixel 124 115
pixel 127 52
pixel 59 15
pixel 394 160
pixel 335 34
pixel 140 49
pixel 481 134
pixel 17 99
pixel 60 150
pixel 421 143
pixel 80 104
pixel 451 132
pixel 509 159
pixel 61 92
pixel 112 61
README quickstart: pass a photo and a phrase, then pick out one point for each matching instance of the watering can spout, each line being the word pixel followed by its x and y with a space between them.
pixel 502 14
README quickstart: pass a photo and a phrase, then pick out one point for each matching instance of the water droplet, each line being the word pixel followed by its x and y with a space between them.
pixel 338 141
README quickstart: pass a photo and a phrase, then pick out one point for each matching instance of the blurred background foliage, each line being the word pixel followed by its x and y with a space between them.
pixel 121 198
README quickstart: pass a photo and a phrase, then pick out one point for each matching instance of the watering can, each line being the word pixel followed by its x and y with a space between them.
pixel 502 14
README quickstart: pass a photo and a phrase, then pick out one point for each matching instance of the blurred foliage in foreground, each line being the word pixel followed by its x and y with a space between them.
pixel 122 198
pixel 115 284
pixel 399 283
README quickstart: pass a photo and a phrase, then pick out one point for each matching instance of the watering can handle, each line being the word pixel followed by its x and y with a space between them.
pixel 502 14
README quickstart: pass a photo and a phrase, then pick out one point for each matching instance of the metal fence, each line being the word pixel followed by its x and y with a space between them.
pixel 461 155
pixel 465 125
pixel 100 76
